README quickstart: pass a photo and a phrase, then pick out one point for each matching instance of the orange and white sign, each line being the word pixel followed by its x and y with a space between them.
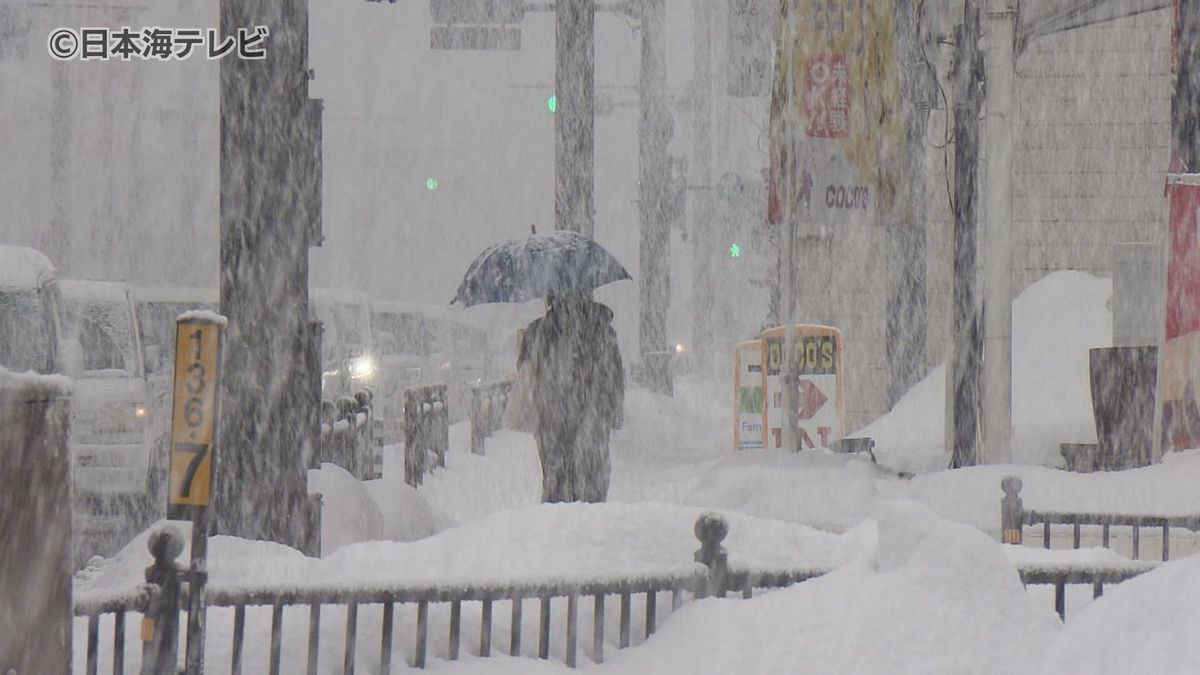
pixel 748 396
pixel 817 362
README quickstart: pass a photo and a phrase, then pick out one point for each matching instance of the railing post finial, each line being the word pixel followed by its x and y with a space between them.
pixel 160 623
pixel 711 529
pixel 1012 511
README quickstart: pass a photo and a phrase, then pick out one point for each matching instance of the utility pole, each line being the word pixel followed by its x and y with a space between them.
pixel 702 229
pixel 655 129
pixel 56 241
pixel 1185 97
pixel 907 320
pixel 269 216
pixel 574 118
pixel 997 203
pixel 787 258
pixel 962 409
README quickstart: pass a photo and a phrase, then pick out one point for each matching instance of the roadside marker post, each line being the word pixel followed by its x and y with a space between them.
pixel 199 338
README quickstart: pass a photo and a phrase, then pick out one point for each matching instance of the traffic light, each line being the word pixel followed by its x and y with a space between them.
pixel 431 184
pixel 552 103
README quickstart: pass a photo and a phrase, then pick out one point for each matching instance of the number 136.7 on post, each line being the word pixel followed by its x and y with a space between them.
pixel 193 417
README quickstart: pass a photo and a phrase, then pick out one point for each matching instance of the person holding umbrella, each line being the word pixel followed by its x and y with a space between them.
pixel 568 359
pixel 578 394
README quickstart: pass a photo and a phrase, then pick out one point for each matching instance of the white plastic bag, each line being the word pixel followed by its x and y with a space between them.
pixel 520 414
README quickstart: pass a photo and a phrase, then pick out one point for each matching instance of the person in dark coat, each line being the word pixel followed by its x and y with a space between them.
pixel 578 395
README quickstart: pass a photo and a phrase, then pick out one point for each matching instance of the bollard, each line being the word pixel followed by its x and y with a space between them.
pixel 1012 511
pixel 478 433
pixel 160 623
pixel 414 466
pixel 711 529
pixel 439 430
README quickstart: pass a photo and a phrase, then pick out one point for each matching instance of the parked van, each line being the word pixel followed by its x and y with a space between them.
pixel 31 314
pixel 116 419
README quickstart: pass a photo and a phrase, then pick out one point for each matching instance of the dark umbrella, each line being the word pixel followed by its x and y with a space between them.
pixel 519 271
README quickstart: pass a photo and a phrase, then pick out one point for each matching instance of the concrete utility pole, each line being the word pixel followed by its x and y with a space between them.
pixel 907 320
pixel 703 248
pixel 1185 99
pixel 269 215
pixel 56 240
pixel 574 117
pixel 997 204
pixel 962 405
pixel 655 129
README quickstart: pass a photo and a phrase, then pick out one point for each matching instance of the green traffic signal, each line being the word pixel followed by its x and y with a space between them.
pixel 735 251
pixel 552 103
pixel 431 184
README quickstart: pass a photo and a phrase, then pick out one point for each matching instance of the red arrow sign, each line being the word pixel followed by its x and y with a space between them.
pixel 811 399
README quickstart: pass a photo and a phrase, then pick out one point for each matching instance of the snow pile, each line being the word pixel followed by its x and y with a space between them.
pixel 973 495
pixel 935 597
pixel 1143 625
pixel 831 492
pixel 406 516
pixel 668 442
pixel 929 597
pixel 578 542
pixel 507 476
pixel 550 541
pixel 1055 322
pixel 348 512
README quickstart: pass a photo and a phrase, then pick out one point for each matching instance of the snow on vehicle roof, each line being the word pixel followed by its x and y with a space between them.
pixel 90 290
pixel 49 385
pixel 23 267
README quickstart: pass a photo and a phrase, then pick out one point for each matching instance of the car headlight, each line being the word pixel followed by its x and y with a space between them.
pixel 363 366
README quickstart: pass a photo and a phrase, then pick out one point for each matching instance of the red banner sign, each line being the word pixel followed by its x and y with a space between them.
pixel 1179 379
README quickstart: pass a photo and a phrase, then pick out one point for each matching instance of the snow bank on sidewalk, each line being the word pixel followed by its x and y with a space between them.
pixel 1144 625
pixel 1055 322
pixel 935 597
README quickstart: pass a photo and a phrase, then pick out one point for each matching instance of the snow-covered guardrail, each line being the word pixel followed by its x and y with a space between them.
pixel 487 409
pixel 369 610
pixel 1098 566
pixel 426 431
pixel 346 436
pixel 160 603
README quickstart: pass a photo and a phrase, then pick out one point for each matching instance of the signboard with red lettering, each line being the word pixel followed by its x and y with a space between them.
pixel 835 111
pixel 817 362
pixel 826 96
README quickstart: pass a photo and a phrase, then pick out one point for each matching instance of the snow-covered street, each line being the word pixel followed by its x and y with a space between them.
pixel 631 337
pixel 918 582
